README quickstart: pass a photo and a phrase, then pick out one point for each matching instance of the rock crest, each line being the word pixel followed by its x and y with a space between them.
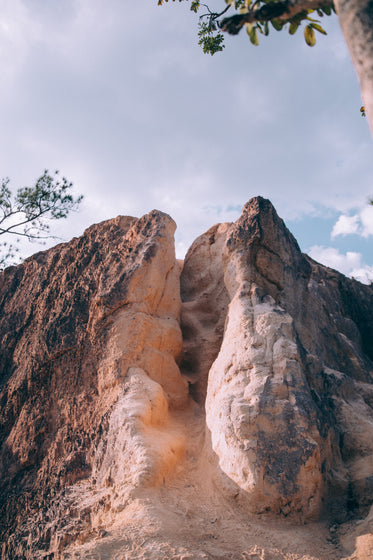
pixel 101 339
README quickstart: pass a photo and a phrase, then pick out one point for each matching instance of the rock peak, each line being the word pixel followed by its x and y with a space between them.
pixel 259 222
pixel 135 395
pixel 269 252
pixel 258 204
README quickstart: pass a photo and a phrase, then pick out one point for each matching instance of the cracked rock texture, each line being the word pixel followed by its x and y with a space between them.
pixel 90 338
pixel 292 377
pixel 219 409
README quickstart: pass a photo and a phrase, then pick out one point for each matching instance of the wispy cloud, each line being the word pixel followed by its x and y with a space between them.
pixel 124 103
pixel 349 263
pixel 366 217
pixel 364 274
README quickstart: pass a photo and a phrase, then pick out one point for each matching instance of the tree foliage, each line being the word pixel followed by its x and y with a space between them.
pixel 258 16
pixel 28 212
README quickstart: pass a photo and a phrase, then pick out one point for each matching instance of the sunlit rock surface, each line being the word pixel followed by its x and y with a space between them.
pixel 291 375
pixel 219 409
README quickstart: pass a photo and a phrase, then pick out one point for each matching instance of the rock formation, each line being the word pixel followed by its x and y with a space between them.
pixel 222 409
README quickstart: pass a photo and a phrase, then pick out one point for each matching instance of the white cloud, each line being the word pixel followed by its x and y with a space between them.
pixel 361 223
pixel 143 119
pixel 349 264
pixel 346 225
pixel 366 217
pixel 333 258
pixel 364 275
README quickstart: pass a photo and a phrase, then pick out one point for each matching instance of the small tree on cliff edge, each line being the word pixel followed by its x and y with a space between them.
pixel 355 18
pixel 28 212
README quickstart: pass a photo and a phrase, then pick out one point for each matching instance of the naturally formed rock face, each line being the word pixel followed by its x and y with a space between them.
pixel 204 309
pixel 90 334
pixel 292 377
pixel 104 453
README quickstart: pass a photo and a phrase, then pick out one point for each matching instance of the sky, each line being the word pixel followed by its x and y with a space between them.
pixel 119 97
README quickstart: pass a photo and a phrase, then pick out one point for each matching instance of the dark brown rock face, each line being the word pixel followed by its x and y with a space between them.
pixel 98 432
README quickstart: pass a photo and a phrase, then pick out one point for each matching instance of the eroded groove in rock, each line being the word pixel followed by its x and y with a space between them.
pixel 204 308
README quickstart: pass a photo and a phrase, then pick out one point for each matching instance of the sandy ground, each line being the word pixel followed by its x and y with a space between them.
pixel 188 518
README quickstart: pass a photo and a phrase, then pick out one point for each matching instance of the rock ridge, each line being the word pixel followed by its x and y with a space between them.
pixel 237 388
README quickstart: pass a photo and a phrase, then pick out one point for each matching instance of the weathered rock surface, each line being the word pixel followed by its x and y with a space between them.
pixel 292 377
pixel 205 303
pixel 105 453
pixel 90 338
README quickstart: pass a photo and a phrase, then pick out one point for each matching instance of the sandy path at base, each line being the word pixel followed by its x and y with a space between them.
pixel 187 518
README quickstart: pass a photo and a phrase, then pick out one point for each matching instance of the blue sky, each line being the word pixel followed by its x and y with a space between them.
pixel 119 97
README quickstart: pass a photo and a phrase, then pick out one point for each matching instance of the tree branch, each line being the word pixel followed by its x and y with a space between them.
pixel 29 235
pixel 282 10
pixel 214 15
pixel 23 222
pixel 27 213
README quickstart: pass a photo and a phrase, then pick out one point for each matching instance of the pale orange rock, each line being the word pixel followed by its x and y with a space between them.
pixel 105 453
pixel 91 340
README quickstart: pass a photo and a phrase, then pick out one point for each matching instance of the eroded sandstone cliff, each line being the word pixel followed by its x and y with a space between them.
pixel 149 412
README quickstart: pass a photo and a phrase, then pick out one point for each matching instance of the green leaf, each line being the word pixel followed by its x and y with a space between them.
pixel 252 33
pixel 209 42
pixel 195 6
pixel 327 10
pixel 318 28
pixel 249 27
pixel 266 28
pixel 293 27
pixel 254 38
pixel 309 35
pixel 277 24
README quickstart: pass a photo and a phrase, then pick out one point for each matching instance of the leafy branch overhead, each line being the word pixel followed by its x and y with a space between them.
pixel 28 212
pixel 256 16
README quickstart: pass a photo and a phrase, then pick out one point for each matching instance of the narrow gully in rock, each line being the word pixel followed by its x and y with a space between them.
pixel 204 308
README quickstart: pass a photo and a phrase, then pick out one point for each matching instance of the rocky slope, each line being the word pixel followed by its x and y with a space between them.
pixel 223 409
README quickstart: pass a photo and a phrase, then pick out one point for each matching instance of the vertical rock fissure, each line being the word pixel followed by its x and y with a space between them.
pixel 204 308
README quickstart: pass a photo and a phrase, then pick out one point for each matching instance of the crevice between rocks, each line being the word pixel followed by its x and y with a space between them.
pixel 204 309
